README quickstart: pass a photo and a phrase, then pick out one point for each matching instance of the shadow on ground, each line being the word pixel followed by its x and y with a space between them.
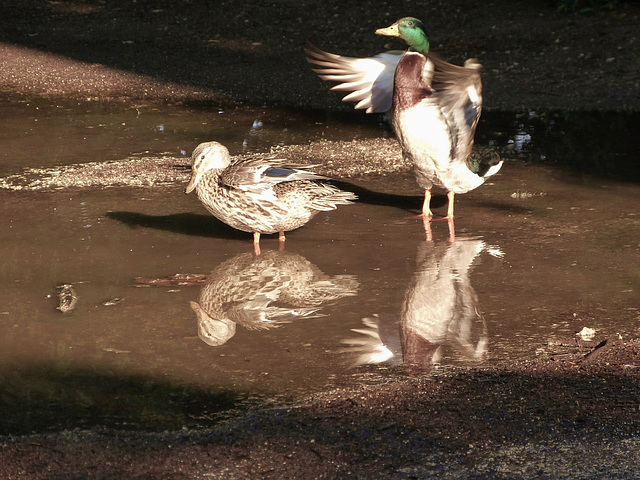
pixel 45 399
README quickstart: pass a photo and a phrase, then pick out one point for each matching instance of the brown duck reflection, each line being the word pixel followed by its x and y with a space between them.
pixel 263 292
pixel 440 310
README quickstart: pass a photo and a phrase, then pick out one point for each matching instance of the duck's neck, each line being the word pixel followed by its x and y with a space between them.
pixel 418 42
pixel 422 47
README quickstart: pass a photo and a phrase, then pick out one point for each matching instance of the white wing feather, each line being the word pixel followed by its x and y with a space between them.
pixel 370 80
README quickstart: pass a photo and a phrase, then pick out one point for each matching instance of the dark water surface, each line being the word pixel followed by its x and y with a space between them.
pixel 176 320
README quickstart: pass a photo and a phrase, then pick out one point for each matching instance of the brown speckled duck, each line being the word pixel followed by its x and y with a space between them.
pixel 260 194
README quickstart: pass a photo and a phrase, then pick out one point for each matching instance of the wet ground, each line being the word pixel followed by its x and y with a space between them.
pixel 522 278
pixel 533 308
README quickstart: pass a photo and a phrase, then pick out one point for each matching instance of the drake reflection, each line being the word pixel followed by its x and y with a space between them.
pixel 263 292
pixel 440 311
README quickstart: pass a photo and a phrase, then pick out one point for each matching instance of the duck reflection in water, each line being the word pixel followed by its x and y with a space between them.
pixel 440 309
pixel 263 292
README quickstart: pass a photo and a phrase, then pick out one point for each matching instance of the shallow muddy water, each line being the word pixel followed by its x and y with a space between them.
pixel 175 319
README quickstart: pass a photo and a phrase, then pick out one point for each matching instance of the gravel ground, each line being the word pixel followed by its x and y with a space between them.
pixel 572 416
pixel 251 52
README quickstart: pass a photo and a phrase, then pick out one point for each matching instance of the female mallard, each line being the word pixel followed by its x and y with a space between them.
pixel 260 194
pixel 435 107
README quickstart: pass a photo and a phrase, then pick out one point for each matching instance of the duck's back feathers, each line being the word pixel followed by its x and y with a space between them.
pixel 260 173
pixel 370 80
pixel 307 195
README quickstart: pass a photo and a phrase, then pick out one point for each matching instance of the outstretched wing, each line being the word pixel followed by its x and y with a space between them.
pixel 459 94
pixel 370 80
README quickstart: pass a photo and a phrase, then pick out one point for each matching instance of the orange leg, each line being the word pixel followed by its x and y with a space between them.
pixel 281 239
pixel 426 210
pixel 450 196
pixel 256 243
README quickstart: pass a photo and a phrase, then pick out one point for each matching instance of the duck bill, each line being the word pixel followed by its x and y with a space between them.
pixel 391 31
pixel 193 181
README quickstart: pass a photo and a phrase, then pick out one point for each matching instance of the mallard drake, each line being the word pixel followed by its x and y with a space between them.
pixel 260 194
pixel 435 107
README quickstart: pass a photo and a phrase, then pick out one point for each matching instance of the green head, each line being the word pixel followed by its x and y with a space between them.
pixel 411 30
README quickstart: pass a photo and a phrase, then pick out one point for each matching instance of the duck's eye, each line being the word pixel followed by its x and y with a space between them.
pixel 202 157
pixel 410 24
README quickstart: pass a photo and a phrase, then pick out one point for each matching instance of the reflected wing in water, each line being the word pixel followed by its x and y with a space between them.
pixel 440 309
pixel 378 341
pixel 264 292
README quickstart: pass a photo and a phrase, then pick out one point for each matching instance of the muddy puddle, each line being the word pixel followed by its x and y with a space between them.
pixel 170 319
